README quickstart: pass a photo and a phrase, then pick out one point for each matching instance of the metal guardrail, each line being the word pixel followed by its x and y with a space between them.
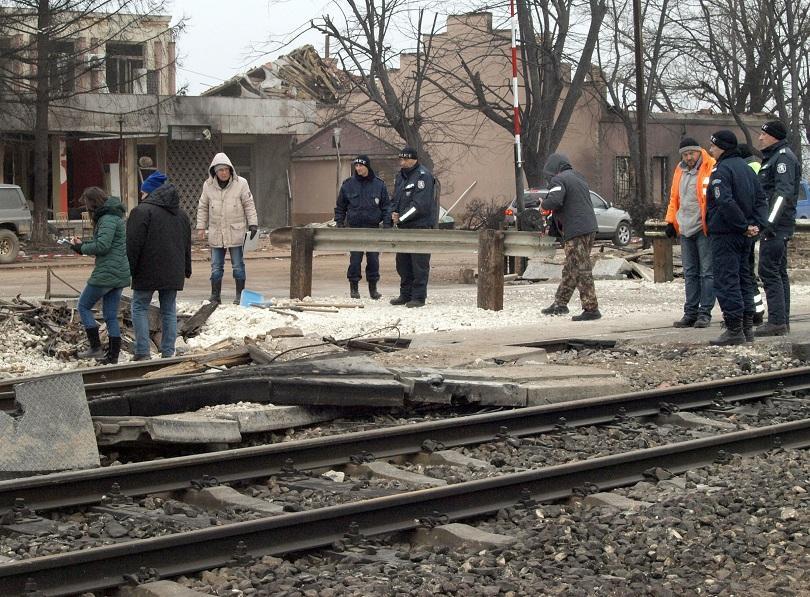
pixel 516 244
pixel 491 245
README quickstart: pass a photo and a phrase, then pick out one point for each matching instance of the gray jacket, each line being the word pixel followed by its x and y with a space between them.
pixel 569 198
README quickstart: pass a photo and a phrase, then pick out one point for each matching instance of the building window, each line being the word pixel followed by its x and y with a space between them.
pixel 125 71
pixel 62 67
pixel 623 180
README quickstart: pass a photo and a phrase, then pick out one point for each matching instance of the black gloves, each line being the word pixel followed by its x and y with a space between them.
pixel 768 231
pixel 77 247
pixel 253 231
pixel 670 231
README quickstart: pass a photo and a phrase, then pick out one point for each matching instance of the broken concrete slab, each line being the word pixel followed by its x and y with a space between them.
pixel 554 391
pixel 693 421
pixel 223 497
pixel 383 470
pixel 615 501
pixel 258 418
pixel 181 428
pixel 440 390
pixel 450 458
pixel 161 588
pixel 538 270
pixel 54 431
pixel 462 537
pixel 610 268
pixel 337 391
pixel 286 332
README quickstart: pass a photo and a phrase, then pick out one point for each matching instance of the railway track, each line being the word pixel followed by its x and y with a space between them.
pixel 68 489
pixel 184 553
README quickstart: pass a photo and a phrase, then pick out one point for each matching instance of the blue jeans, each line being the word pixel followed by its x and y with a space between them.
pixel 109 307
pixel 696 256
pixel 168 317
pixel 218 263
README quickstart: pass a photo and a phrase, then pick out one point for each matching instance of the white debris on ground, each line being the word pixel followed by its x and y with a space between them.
pixel 20 353
pixel 448 308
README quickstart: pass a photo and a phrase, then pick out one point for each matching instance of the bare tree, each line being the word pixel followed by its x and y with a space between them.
pixel 365 50
pixel 34 74
pixel 553 36
pixel 728 57
pixel 617 64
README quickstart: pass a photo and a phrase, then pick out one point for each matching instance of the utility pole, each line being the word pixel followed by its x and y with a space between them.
pixel 641 106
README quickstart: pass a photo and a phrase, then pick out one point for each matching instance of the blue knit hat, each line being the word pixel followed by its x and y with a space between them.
pixel 155 180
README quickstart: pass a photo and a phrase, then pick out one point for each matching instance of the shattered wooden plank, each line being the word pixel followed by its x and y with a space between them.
pixel 192 325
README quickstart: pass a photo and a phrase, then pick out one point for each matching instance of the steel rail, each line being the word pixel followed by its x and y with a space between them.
pixel 104 567
pixel 75 488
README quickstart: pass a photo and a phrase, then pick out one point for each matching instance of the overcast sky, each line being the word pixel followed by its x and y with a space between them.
pixel 221 37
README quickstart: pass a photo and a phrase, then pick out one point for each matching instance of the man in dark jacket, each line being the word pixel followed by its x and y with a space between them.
pixel 159 252
pixel 415 205
pixel 735 213
pixel 779 176
pixel 363 202
pixel 569 198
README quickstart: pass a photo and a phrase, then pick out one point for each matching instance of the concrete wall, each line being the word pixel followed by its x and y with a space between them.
pixel 271 159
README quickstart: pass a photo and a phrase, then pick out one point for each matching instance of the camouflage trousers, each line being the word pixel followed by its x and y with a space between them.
pixel 577 273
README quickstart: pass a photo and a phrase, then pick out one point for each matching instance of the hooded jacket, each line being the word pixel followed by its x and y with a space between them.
pixel 109 245
pixel 735 199
pixel 159 242
pixel 226 212
pixel 703 176
pixel 363 202
pixel 569 198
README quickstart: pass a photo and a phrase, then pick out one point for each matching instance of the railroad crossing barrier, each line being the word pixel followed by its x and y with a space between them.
pixel 798 248
pixel 491 245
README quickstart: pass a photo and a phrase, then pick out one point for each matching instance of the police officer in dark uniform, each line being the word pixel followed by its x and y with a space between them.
pixel 363 202
pixel 735 212
pixel 415 206
pixel 779 176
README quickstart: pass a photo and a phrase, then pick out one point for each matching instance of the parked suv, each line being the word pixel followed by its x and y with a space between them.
pixel 15 221
pixel 614 224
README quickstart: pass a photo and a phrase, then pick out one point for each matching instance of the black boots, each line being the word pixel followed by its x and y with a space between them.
pixel 771 329
pixel 216 292
pixel 372 290
pixel 113 351
pixel 354 291
pixel 94 352
pixel 687 321
pixel 555 309
pixel 748 326
pixel 733 334
pixel 399 300
pixel 587 315
pixel 240 286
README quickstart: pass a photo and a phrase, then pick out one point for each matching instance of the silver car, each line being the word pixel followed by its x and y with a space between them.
pixel 614 223
pixel 15 221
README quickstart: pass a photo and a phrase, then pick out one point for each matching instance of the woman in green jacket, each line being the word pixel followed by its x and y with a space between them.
pixel 110 274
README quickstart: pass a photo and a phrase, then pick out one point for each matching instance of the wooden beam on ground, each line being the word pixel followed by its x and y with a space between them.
pixel 490 270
